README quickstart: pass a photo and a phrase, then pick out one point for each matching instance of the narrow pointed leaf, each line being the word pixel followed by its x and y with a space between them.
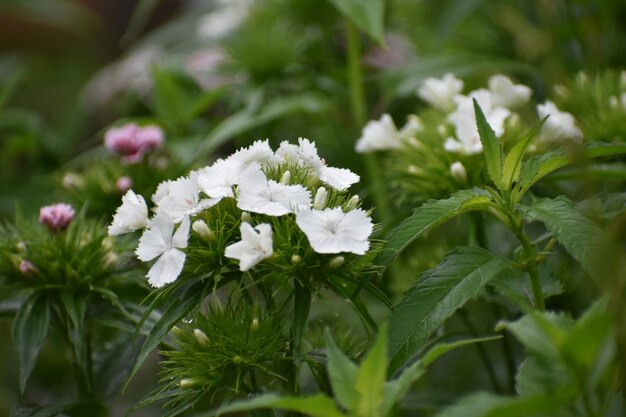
pixel 513 161
pixel 370 381
pixel 580 236
pixel 491 147
pixel 315 406
pixel 436 295
pixel 430 215
pixel 30 328
pixel 343 374
pixel 368 16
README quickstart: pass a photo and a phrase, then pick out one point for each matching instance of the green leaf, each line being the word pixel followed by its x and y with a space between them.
pixel 342 373
pixel 489 405
pixel 513 161
pixel 428 216
pixel 366 15
pixel 30 328
pixel 582 238
pixel 370 381
pixel 539 166
pixel 316 405
pixel 436 295
pixel 491 147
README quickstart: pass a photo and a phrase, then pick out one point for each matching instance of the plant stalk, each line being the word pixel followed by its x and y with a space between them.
pixel 533 272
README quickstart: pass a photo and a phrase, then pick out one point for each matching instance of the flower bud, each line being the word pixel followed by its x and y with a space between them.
pixel 177 331
pixel 413 170
pixel 201 337
pixel 202 229
pixel 255 324
pixel 27 268
pixel 295 259
pixel 57 216
pixel 561 90
pixel 352 203
pixel 285 178
pixel 72 181
pixel 21 246
pixel 246 217
pixel 189 382
pixel 458 171
pixel 336 262
pixel 442 130
pixel 110 259
pixel 320 199
pixel 123 184
pixel 237 360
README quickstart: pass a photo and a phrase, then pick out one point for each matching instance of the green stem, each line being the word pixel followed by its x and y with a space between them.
pixel 531 258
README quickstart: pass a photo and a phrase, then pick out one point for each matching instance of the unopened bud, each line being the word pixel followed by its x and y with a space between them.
pixel 27 268
pixel 202 229
pixel 413 170
pixel 561 90
pixel 458 171
pixel 246 217
pixel 295 259
pixel 413 142
pixel 21 246
pixel 189 382
pixel 177 331
pixel 353 202
pixel 285 178
pixel 336 262
pixel 237 360
pixel 110 259
pixel 320 199
pixel 201 337
pixel 442 130
pixel 72 181
pixel 255 324
pixel 123 184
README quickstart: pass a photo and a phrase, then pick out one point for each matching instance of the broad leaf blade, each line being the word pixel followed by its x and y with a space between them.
pixel 428 216
pixel 437 294
pixel 490 405
pixel 316 405
pixel 581 237
pixel 370 381
pixel 491 147
pixel 30 328
pixel 342 373
pixel 366 15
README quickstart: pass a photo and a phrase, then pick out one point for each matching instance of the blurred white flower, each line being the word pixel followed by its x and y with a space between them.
pixel 258 194
pixel 333 231
pixel 506 94
pixel 161 240
pixel 440 92
pixel 130 216
pixel 458 171
pixel 463 118
pixel 560 125
pixel 223 20
pixel 412 127
pixel 338 178
pixel 378 135
pixel 255 245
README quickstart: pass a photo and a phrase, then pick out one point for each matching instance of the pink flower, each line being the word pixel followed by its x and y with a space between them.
pixel 27 268
pixel 132 142
pixel 57 216
pixel 123 184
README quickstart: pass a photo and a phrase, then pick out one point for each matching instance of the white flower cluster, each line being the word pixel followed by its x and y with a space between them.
pixel 244 177
pixel 496 102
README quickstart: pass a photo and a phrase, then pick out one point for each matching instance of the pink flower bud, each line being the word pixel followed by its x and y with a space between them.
pixel 123 184
pixel 132 142
pixel 27 268
pixel 57 216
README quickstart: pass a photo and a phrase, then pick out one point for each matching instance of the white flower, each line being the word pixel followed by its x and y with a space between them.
pixel 130 216
pixel 338 178
pixel 258 194
pixel 440 92
pixel 217 181
pixel 560 125
pixel 412 127
pixel 255 245
pixel 260 152
pixel 307 154
pixel 378 135
pixel 159 240
pixel 464 120
pixel 183 198
pixel 506 94
pixel 162 190
pixel 333 231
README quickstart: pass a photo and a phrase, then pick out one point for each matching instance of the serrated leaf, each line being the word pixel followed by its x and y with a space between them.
pixel 315 405
pixel 436 295
pixel 370 381
pixel 342 373
pixel 366 15
pixel 539 166
pixel 30 328
pixel 490 405
pixel 430 215
pixel 491 147
pixel 580 236
pixel 513 161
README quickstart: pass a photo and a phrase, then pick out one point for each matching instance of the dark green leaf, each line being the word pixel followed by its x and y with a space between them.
pixel 490 405
pixel 316 405
pixel 342 373
pixel 30 328
pixel 491 147
pixel 513 161
pixel 437 294
pixel 370 380
pixel 428 216
pixel 581 237
pixel 366 15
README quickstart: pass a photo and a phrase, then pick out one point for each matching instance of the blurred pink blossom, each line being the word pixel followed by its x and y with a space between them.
pixel 123 184
pixel 132 142
pixel 27 268
pixel 57 216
